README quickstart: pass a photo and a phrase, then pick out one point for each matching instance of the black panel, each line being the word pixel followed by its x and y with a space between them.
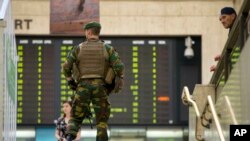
pixel 150 95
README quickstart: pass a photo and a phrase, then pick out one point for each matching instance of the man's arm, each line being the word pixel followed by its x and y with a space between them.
pixel 115 61
pixel 67 67
pixel 118 67
pixel 68 64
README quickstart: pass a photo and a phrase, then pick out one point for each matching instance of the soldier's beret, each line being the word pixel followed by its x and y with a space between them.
pixel 227 11
pixel 91 25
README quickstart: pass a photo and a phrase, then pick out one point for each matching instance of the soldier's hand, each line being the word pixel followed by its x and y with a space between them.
pixel 118 84
pixel 72 84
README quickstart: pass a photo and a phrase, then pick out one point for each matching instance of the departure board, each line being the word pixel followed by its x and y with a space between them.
pixel 148 97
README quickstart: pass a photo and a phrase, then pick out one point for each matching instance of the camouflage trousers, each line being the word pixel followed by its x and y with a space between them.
pixel 90 91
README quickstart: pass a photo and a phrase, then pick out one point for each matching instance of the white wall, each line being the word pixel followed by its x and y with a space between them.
pixel 170 18
pixel 31 16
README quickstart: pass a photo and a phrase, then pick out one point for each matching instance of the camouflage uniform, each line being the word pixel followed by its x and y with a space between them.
pixel 91 90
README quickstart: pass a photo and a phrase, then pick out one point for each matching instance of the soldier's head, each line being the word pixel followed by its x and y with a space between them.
pixel 92 29
pixel 227 17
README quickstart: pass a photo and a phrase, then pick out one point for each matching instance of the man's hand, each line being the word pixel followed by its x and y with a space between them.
pixel 72 84
pixel 217 57
pixel 212 68
pixel 118 84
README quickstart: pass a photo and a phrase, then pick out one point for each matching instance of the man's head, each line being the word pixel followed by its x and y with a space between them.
pixel 227 17
pixel 92 29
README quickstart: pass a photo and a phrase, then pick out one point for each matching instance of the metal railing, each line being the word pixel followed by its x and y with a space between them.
pixel 216 119
pixel 228 103
pixel 234 45
pixel 187 100
pixel 219 111
pixel 8 74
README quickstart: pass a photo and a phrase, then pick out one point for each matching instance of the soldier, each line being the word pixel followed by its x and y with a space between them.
pixel 92 60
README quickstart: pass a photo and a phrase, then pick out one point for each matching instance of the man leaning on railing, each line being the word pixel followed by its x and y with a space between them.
pixel 227 18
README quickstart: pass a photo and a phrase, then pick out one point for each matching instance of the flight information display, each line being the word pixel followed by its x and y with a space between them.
pixel 148 96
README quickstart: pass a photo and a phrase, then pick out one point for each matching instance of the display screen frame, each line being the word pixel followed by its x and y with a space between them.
pixel 135 46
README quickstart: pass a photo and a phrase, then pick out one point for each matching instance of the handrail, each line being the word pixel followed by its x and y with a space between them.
pixel 231 110
pixel 187 100
pixel 235 33
pixel 217 123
